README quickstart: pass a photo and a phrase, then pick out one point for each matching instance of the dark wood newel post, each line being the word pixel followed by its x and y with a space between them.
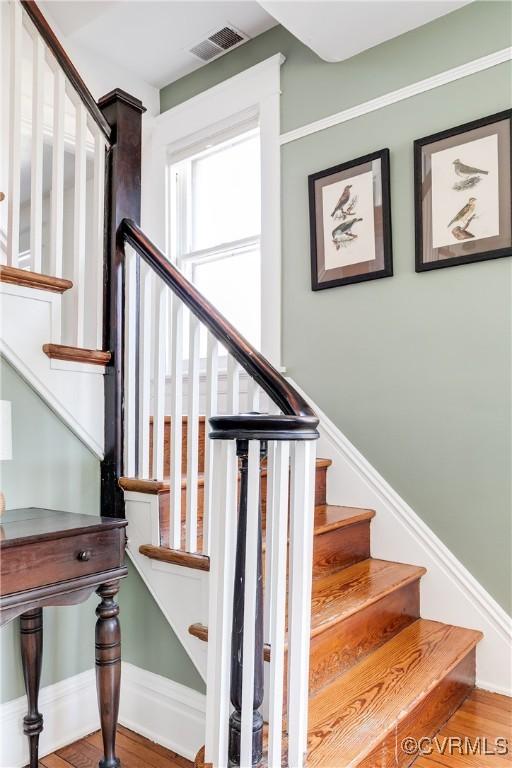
pixel 237 636
pixel 122 200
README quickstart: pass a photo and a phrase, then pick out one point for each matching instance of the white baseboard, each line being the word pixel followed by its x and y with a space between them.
pixel 70 712
pixel 449 592
pixel 164 711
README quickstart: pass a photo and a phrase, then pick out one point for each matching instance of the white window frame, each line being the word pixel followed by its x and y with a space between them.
pixel 247 99
pixel 180 213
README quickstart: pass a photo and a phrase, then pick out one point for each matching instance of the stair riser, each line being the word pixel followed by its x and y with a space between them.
pixel 184 437
pixel 347 642
pixel 340 548
pixel 426 719
pixel 164 502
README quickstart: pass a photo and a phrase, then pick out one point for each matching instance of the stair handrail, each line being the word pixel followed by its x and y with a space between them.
pixel 299 421
pixel 69 69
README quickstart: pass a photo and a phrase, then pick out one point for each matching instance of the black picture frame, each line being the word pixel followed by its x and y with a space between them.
pixel 378 267
pixel 466 252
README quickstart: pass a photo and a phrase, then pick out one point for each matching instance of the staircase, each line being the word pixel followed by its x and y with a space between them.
pixel 378 673
pixel 314 653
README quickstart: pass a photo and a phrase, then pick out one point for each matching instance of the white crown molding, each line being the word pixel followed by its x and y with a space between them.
pixel 154 706
pixel 421 86
pixel 449 592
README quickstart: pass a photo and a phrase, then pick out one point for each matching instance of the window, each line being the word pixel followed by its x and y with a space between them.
pixel 215 226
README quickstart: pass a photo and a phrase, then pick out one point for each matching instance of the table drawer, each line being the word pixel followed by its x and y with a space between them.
pixel 50 561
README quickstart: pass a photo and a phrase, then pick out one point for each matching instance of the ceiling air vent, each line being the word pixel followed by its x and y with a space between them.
pixel 218 42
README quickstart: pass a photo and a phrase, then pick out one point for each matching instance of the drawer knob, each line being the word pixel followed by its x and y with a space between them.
pixel 84 556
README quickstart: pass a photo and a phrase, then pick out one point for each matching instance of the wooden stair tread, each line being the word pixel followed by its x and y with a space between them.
pixel 158 486
pixel 330 517
pixel 176 557
pixel 350 716
pixel 339 517
pixel 339 595
pixel 76 354
pixel 28 279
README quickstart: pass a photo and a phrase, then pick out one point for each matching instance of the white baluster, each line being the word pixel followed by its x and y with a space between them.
pixel 250 588
pixel 220 617
pixel 192 433
pixel 57 193
pixel 160 309
pixel 130 367
pixel 211 406
pixel 176 422
pixel 275 583
pixel 302 485
pixel 79 223
pixel 233 386
pixel 253 396
pixel 13 194
pixel 145 326
pixel 36 169
pixel 97 234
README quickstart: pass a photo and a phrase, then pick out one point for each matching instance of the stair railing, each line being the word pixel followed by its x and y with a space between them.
pixel 256 464
pixel 54 133
pixel 173 353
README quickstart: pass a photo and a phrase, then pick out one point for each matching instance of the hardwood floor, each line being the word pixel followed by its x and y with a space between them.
pixel 482 720
pixel 133 750
pixel 484 716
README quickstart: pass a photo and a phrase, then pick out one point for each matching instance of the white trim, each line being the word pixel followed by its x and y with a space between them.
pixel 160 709
pixel 449 592
pixel 443 78
pixel 70 712
pixel 29 318
pixel 166 580
pixel 252 93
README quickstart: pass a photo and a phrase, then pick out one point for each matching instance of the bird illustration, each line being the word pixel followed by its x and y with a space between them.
pixel 344 198
pixel 342 232
pixel 465 212
pixel 467 170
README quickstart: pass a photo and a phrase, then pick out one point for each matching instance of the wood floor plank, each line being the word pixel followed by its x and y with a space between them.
pixel 54 761
pixel 81 755
pixel 133 752
pixel 157 748
pixel 466 722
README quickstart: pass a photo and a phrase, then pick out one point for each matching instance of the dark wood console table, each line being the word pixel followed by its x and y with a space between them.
pixel 59 558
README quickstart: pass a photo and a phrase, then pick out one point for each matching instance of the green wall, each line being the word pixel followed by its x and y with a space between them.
pixel 52 468
pixel 415 369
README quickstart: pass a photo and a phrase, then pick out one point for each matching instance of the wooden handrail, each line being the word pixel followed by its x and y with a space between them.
pixel 269 379
pixel 67 65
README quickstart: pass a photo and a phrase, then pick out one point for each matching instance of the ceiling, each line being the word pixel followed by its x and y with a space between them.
pixel 338 29
pixel 152 38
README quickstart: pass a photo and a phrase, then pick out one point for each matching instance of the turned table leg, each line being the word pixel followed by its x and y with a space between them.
pixel 108 669
pixel 31 640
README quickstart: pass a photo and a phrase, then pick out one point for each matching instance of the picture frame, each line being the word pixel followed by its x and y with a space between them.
pixel 350 222
pixel 463 193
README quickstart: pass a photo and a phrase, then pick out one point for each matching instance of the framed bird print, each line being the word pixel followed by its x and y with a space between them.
pixel 350 222
pixel 463 193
